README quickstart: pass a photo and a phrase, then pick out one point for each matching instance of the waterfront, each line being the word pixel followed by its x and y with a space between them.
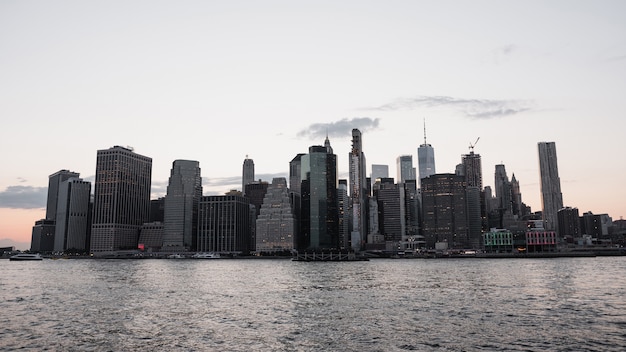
pixel 556 304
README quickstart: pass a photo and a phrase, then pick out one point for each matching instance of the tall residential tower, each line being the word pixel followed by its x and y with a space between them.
pixel 358 191
pixel 551 196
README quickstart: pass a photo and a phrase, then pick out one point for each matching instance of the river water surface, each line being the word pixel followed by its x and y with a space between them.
pixel 556 304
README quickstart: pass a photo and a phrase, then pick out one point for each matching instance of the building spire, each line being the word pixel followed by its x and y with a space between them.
pixel 425 131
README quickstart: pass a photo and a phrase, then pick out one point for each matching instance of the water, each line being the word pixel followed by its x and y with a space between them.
pixel 558 304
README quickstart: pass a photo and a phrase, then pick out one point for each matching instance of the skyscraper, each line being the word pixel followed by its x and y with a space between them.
pixel 248 174
pixel 319 210
pixel 472 169
pixel 54 182
pixel 444 207
pixel 425 158
pixel 473 173
pixel 180 210
pixel 295 174
pixel 391 207
pixel 551 197
pixel 503 190
pixel 405 169
pixel 358 191
pixel 276 224
pixel 379 171
pixel 344 213
pixel 73 217
pixel 121 199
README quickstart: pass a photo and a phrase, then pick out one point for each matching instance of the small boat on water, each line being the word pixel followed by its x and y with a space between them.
pixel 206 256
pixel 175 256
pixel 26 256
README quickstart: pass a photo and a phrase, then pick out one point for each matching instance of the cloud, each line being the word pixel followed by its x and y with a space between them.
pixel 24 197
pixel 339 129
pixel 472 108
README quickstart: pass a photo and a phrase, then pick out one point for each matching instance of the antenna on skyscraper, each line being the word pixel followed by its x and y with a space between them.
pixel 424 131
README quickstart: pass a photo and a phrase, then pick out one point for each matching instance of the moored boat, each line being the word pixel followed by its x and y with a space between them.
pixel 26 256
pixel 206 256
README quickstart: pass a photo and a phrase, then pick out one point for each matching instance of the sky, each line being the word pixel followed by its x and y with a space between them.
pixel 219 81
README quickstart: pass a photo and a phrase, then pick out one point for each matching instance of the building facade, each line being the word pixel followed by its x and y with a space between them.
pixel 247 173
pixel 224 224
pixel 180 209
pixel 54 183
pixel 121 199
pixel 276 223
pixel 444 210
pixel 358 192
pixel 425 159
pixel 73 218
pixel 404 168
pixel 551 196
pixel 319 217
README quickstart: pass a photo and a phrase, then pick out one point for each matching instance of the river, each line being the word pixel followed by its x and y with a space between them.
pixel 552 304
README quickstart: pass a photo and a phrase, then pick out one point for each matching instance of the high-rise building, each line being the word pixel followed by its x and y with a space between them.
pixel 551 197
pixel 472 170
pixel 344 214
pixel 121 199
pixel 295 177
pixel 180 210
pixel 157 210
pixel 276 223
pixel 248 174
pixel 73 216
pixel 503 189
pixel 425 158
pixel 379 171
pixel 224 224
pixel 54 182
pixel 444 210
pixel 569 223
pixel 358 191
pixel 256 190
pixel 516 197
pixel 405 169
pixel 391 207
pixel 43 236
pixel 319 205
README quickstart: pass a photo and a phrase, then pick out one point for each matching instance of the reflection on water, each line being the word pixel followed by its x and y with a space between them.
pixel 558 304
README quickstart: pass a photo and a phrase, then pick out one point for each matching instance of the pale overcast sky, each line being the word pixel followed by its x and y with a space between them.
pixel 215 81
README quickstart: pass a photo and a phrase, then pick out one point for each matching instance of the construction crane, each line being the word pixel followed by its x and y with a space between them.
pixel 471 146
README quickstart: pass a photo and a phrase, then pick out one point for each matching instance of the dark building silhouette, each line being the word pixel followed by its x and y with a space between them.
pixel 319 218
pixel 224 224
pixel 444 210
pixel 569 223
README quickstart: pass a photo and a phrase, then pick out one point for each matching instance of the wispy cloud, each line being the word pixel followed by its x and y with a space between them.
pixel 23 197
pixel 339 129
pixel 472 108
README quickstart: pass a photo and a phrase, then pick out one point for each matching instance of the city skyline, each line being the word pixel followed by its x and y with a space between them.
pixel 217 82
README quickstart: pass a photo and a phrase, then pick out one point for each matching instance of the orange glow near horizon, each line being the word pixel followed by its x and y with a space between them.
pixel 17 224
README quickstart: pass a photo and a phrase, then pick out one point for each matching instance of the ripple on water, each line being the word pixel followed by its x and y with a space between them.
pixel 381 305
